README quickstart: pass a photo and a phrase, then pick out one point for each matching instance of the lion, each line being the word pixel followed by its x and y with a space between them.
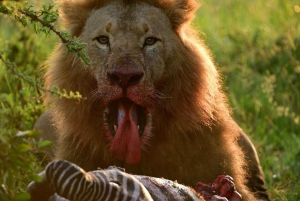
pixel 153 103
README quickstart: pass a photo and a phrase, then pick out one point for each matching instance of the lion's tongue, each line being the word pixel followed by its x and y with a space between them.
pixel 126 143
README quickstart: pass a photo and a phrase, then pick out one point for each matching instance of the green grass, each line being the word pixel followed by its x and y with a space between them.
pixel 256 45
pixel 20 106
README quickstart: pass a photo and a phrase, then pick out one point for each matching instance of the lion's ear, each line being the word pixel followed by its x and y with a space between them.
pixel 74 13
pixel 181 11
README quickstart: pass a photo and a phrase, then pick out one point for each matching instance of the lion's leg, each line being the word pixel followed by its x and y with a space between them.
pixel 44 125
pixel 256 181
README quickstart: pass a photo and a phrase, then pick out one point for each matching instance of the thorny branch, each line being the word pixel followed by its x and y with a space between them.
pixel 11 66
pixel 51 27
pixel 46 17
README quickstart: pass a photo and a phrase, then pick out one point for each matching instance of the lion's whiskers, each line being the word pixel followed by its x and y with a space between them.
pixel 158 96
pixel 96 95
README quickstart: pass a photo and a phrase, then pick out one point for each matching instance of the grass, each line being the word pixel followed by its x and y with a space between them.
pixel 256 45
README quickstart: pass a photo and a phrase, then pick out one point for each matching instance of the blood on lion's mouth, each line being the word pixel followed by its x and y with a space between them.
pixel 123 110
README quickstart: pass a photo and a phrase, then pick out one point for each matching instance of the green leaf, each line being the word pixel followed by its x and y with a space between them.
pixel 3 9
pixel 37 178
pixel 22 197
pixel 45 143
pixel 34 133
pixel 36 27
pixel 23 147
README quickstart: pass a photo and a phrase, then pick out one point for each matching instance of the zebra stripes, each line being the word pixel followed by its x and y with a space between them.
pixel 73 183
pixel 65 181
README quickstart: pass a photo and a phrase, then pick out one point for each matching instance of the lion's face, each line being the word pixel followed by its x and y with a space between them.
pixel 128 47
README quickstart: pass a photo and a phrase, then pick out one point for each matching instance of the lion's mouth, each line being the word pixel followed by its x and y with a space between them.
pixel 123 111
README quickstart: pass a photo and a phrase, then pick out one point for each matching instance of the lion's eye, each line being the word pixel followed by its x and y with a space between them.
pixel 103 39
pixel 150 41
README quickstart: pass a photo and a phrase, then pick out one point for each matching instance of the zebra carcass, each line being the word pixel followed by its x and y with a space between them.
pixel 62 181
pixel 65 181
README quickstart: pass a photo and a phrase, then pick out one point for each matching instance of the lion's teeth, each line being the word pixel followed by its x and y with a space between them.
pixel 138 127
pixel 115 128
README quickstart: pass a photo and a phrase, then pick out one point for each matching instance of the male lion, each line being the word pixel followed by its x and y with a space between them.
pixel 154 103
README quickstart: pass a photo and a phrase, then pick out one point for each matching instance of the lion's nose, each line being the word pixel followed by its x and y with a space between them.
pixel 124 77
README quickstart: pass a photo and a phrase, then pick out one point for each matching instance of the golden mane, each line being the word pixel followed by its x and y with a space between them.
pixel 75 12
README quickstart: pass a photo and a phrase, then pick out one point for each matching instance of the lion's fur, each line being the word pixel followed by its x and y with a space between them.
pixel 194 138
pixel 75 13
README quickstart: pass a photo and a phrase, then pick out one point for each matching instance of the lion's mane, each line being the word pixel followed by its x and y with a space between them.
pixel 193 108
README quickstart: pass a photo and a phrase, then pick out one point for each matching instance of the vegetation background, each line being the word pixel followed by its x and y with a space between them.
pixel 256 45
